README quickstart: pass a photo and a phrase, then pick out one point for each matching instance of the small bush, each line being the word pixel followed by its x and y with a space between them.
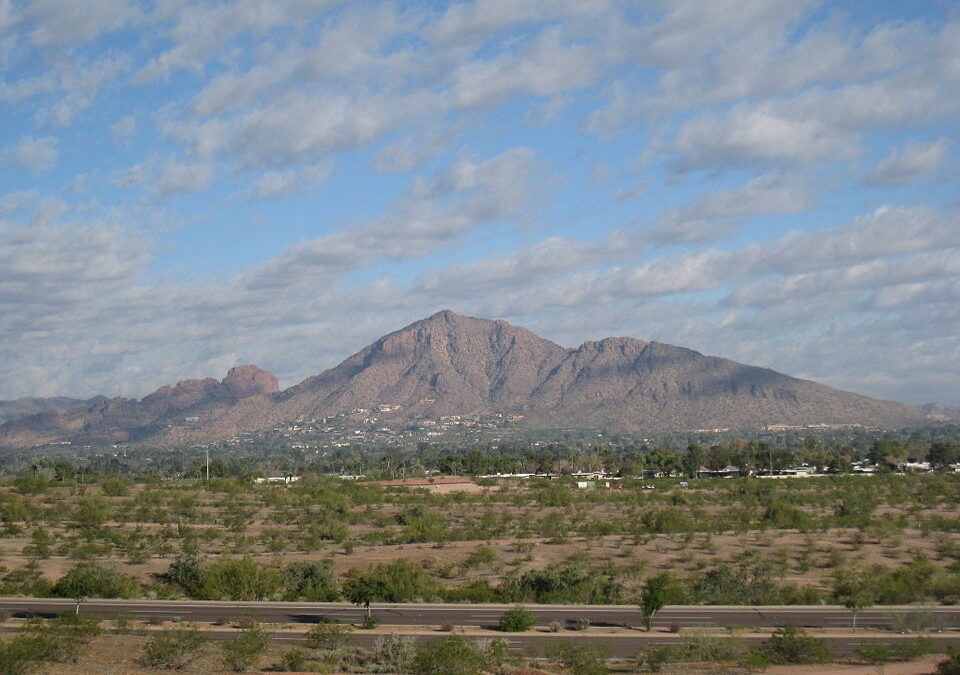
pixel 292 661
pixel 242 653
pixel 19 656
pixel 789 645
pixel 447 656
pixel 951 666
pixel 172 649
pixel 517 620
pixel 328 636
pixel 579 659
pixel 394 652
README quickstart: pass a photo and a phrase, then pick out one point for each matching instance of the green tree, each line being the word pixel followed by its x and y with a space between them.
pixel 93 580
pixel 855 590
pixel 363 590
pixel 941 454
pixel 657 591
pixel 693 460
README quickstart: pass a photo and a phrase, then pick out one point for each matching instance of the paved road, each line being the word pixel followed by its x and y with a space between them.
pixel 488 615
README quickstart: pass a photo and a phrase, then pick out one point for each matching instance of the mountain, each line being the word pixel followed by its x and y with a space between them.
pixel 22 407
pixel 449 364
pixel 937 412
pixel 123 419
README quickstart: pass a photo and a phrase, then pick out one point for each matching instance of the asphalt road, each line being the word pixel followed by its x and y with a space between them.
pixel 488 615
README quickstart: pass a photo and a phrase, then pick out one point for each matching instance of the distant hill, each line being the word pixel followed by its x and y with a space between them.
pixel 22 407
pixel 449 364
pixel 937 412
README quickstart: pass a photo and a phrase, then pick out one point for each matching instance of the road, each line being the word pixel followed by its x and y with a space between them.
pixel 488 615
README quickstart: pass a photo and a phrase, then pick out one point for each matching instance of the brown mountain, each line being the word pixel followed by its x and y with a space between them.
pixel 22 407
pixel 450 364
pixel 124 419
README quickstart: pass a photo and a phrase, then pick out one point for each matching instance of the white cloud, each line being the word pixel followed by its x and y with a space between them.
pixel 910 164
pixel 712 215
pixel 123 130
pixel 177 178
pixel 38 154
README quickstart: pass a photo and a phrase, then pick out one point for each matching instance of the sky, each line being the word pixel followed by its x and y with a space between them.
pixel 189 185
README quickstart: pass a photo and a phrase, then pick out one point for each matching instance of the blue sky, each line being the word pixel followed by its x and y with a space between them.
pixel 186 186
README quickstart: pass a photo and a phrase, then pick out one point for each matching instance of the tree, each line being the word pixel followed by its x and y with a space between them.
pixel 855 590
pixel 693 460
pixel 363 590
pixel 657 592
pixel 941 454
pixel 93 580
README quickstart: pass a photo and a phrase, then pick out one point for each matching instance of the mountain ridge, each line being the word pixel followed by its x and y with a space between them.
pixel 448 364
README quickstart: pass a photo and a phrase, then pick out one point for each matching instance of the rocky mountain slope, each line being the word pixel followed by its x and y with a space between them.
pixel 449 364
pixel 22 407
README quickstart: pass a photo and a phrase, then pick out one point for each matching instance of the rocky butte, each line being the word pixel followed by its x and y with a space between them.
pixel 450 364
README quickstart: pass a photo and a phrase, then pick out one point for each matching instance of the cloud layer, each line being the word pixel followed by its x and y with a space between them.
pixel 190 185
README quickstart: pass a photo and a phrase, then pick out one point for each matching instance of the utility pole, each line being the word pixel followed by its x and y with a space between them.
pixel 207 452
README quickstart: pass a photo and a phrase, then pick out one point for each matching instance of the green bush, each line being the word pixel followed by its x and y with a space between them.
pixel 950 666
pixel 19 656
pixel 62 639
pixel 328 636
pixel 93 580
pixel 244 652
pixel 789 645
pixel 517 620
pixel 292 661
pixel 394 652
pixel 579 659
pixel 172 648
pixel 243 579
pixel 447 656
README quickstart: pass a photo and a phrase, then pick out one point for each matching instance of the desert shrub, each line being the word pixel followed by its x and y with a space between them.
pixel 951 665
pixel 328 636
pixel 398 581
pixel 447 656
pixel 243 579
pixel 115 487
pixel 62 639
pixel 313 582
pixel 496 656
pixel 292 661
pixel 579 659
pixel 172 648
pixel 900 650
pixel 477 592
pixel 244 652
pixel 393 653
pixel 517 620
pixel 19 656
pixel 93 580
pixel 565 582
pixel 789 645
